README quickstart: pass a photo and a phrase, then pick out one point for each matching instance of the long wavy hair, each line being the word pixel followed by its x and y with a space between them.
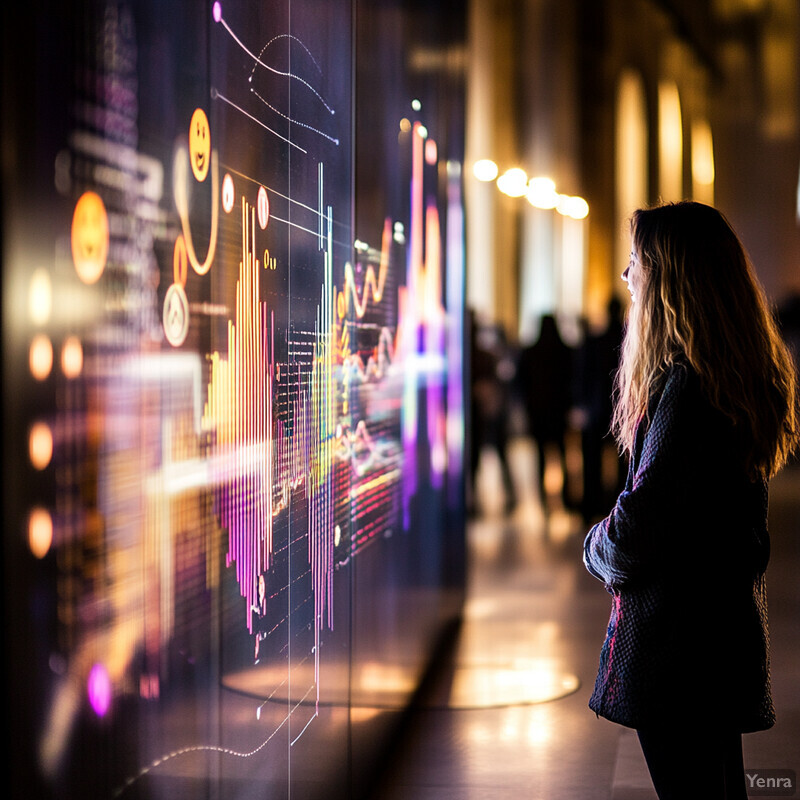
pixel 699 302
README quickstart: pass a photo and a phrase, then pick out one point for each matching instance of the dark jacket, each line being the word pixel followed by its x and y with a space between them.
pixel 683 554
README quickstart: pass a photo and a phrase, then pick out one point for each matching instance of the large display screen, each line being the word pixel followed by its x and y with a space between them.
pixel 233 388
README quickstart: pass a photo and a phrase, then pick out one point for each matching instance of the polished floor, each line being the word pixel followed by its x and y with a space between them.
pixel 506 713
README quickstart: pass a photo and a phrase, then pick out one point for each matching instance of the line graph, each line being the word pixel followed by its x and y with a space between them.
pixel 259 62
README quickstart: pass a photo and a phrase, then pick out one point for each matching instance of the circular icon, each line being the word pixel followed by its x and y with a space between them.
pixel 89 237
pixel 262 204
pixel 199 144
pixel 176 315
pixel 227 193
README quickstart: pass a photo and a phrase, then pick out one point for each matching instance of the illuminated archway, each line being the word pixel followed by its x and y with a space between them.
pixel 703 173
pixel 631 161
pixel 670 142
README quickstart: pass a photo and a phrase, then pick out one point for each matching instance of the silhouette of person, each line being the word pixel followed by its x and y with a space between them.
pixel 597 360
pixel 544 378
pixel 260 615
pixel 489 404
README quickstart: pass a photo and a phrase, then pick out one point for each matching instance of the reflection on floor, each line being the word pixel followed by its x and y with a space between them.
pixel 507 713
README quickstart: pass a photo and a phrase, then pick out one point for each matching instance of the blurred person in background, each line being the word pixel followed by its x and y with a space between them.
pixel 544 380
pixel 491 373
pixel 597 359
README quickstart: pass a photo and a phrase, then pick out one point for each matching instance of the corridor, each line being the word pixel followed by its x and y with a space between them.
pixel 506 716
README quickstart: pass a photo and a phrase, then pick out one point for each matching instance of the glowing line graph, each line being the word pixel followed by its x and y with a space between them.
pixel 268 461
pixel 206 748
pixel 291 200
pixel 290 119
pixel 373 285
pixel 377 364
pixel 258 61
pixel 215 95
pixel 273 191
pixel 261 461
pixel 238 411
pixel 360 449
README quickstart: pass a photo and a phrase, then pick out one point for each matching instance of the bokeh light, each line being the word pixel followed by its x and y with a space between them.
pixel 99 690
pixel 40 445
pixel 431 152
pixel 575 207
pixel 40 297
pixel 40 532
pixel 72 357
pixel 40 357
pixel 485 170
pixel 513 182
pixel 542 193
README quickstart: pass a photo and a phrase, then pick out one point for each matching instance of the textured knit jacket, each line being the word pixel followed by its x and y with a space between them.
pixel 683 554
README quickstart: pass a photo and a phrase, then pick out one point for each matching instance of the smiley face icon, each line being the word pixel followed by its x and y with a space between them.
pixel 199 144
pixel 89 237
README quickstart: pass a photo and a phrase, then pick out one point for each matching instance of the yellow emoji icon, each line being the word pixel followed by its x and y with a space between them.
pixel 89 237
pixel 199 144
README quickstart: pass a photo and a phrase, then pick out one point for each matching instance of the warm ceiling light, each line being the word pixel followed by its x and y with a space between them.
pixel 513 182
pixel 485 170
pixel 575 207
pixel 542 193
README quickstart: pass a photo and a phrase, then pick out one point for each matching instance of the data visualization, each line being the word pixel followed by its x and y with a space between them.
pixel 234 460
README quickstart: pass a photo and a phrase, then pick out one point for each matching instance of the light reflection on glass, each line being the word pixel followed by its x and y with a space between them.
pixel 40 357
pixel 99 689
pixel 40 445
pixel 40 532
pixel 72 357
pixel 40 297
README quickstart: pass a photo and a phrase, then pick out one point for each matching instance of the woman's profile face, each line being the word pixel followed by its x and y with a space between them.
pixel 633 275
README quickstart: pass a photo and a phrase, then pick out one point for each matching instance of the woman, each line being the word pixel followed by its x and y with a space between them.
pixel 705 406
